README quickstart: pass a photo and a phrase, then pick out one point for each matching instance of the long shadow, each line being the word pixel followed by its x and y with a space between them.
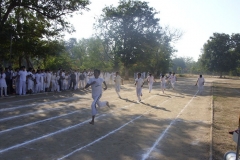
pixel 155 107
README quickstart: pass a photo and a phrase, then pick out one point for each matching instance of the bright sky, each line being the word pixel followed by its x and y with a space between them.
pixel 198 19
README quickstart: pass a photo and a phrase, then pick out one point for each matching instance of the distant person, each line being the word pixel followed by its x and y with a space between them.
pixel 163 82
pixel 173 80
pixel 3 84
pixel 96 85
pixel 139 82
pixel 200 83
pixel 118 81
pixel 150 80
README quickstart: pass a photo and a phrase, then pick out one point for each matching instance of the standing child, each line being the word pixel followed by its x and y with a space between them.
pixel 150 80
pixel 163 82
pixel 200 82
pixel 3 84
pixel 96 85
pixel 139 84
pixel 118 80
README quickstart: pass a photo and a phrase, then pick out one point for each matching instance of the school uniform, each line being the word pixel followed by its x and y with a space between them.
pixel 150 82
pixel 118 80
pixel 48 79
pixel 163 82
pixel 96 94
pixel 30 81
pixel 3 84
pixel 38 78
pixel 139 82
pixel 22 82
pixel 200 84
pixel 173 81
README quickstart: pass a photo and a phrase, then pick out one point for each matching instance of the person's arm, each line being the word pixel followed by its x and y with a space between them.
pixel 135 82
pixel 196 83
pixel 89 84
pixel 105 85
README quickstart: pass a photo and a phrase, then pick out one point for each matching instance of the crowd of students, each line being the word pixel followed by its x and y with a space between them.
pixel 21 81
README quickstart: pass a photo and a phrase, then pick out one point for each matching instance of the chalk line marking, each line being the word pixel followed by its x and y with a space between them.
pixel 30 124
pixel 112 132
pixel 51 134
pixel 37 105
pixel 47 135
pixel 145 156
pixel 41 111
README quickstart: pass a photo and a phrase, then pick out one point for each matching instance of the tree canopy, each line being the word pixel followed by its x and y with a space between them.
pixel 221 53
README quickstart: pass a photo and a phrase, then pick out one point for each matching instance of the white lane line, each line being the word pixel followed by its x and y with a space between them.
pixel 41 111
pixel 145 156
pixel 112 132
pixel 30 124
pixel 47 135
pixel 37 105
pixel 51 134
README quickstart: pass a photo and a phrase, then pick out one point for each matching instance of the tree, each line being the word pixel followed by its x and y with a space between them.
pixel 218 54
pixel 22 20
pixel 129 31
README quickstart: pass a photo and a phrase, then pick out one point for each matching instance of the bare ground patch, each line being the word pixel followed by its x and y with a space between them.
pixel 225 115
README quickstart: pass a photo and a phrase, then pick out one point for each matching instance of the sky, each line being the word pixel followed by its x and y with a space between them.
pixel 197 19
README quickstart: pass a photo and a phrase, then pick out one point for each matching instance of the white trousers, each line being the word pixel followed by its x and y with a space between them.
pixel 22 87
pixel 97 102
pixel 139 92
pixel 150 84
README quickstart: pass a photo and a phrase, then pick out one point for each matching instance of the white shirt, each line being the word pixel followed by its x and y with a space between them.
pixel 173 78
pixel 139 82
pixel 96 87
pixel 38 78
pixel 117 79
pixel 201 81
pixel 150 79
pixel 23 75
pixel 162 79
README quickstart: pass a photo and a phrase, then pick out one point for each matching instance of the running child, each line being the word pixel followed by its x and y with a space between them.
pixel 200 83
pixel 173 80
pixel 150 80
pixel 118 80
pixel 96 85
pixel 139 82
pixel 163 82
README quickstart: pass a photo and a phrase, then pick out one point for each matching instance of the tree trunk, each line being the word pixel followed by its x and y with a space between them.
pixel 126 73
pixel 20 61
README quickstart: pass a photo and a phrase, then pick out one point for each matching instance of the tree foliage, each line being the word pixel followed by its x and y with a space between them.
pixel 131 34
pixel 221 53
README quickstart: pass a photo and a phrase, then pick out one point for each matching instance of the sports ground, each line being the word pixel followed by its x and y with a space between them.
pixel 179 124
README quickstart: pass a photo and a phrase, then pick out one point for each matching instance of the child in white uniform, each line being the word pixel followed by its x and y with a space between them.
pixel 150 80
pixel 3 84
pixel 200 83
pixel 173 80
pixel 96 85
pixel 118 80
pixel 139 82
pixel 163 82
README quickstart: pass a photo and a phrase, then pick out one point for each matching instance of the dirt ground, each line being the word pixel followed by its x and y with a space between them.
pixel 171 126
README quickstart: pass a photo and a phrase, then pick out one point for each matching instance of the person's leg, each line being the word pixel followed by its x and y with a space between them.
pixel 20 89
pixel 24 87
pixel 5 91
pixel 150 87
pixel 93 107
pixel 1 91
